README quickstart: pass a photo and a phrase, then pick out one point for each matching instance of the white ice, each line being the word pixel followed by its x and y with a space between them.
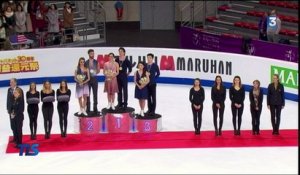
pixel 174 106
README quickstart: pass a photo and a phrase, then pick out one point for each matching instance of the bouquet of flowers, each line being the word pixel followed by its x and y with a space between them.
pixel 80 78
pixel 109 74
pixel 143 81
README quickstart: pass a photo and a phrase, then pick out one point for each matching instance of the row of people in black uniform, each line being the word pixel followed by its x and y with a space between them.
pixel 275 102
pixel 15 108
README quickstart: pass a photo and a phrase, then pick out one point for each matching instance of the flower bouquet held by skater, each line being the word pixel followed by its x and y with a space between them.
pixel 141 79
pixel 82 77
pixel 111 70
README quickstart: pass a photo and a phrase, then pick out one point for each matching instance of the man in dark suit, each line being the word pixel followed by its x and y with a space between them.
pixel 153 69
pixel 122 78
pixel 10 99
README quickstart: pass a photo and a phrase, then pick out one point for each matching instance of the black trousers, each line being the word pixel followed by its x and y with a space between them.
pixel 237 112
pixel 17 124
pixel 255 114
pixel 263 36
pixel 275 116
pixel 93 84
pixel 197 117
pixel 48 114
pixel 12 128
pixel 33 110
pixel 151 98
pixel 63 110
pixel 221 115
pixel 123 90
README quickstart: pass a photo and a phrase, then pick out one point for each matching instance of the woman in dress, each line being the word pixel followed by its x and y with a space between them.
pixel 63 95
pixel 20 17
pixel 82 77
pixel 141 79
pixel 111 70
pixel 33 100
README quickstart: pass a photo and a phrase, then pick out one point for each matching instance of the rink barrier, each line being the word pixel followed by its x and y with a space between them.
pixel 165 80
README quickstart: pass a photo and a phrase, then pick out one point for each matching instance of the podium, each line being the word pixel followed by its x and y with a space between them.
pixel 90 124
pixel 148 123
pixel 119 120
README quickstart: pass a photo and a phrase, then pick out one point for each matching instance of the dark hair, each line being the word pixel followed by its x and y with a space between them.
pixel 122 48
pixel 197 79
pixel 55 7
pixel 69 5
pixel 239 79
pixel 34 86
pixel 151 55
pixel 19 5
pixel 60 84
pixel 111 54
pixel 90 50
pixel 215 83
pixel 140 62
pixel 80 59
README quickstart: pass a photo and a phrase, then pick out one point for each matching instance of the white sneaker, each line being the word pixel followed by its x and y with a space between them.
pixel 112 106
pixel 108 106
pixel 79 112
pixel 142 113
pixel 84 113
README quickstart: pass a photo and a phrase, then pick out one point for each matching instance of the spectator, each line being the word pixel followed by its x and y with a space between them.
pixel 273 26
pixel 2 28
pixel 262 27
pixel 68 22
pixel 31 9
pixel 28 19
pixel 9 17
pixel 41 12
pixel 20 18
pixel 52 17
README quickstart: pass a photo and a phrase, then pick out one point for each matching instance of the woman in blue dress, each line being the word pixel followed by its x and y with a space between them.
pixel 141 79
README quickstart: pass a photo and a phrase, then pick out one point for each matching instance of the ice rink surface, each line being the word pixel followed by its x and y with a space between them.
pixel 174 106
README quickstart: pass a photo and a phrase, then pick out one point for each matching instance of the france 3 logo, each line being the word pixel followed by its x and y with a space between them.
pixel 30 150
pixel 272 22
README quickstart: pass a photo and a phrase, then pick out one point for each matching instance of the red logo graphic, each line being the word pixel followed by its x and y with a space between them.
pixel 101 60
pixel 167 63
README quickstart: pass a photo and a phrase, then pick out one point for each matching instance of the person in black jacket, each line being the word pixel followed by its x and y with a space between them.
pixel 9 101
pixel 47 97
pixel 63 95
pixel 275 102
pixel 33 100
pixel 122 78
pixel 256 98
pixel 153 70
pixel 17 116
pixel 197 97
pixel 237 97
pixel 218 96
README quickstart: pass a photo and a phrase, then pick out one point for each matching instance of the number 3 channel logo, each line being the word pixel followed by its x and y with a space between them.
pixel 272 21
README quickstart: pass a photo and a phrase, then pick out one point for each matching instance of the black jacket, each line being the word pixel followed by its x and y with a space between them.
pixel 10 99
pixel 275 97
pixel 260 99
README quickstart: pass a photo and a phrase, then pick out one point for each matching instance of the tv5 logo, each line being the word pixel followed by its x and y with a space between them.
pixel 30 150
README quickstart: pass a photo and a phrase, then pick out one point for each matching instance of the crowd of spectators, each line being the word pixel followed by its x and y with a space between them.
pixel 36 19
